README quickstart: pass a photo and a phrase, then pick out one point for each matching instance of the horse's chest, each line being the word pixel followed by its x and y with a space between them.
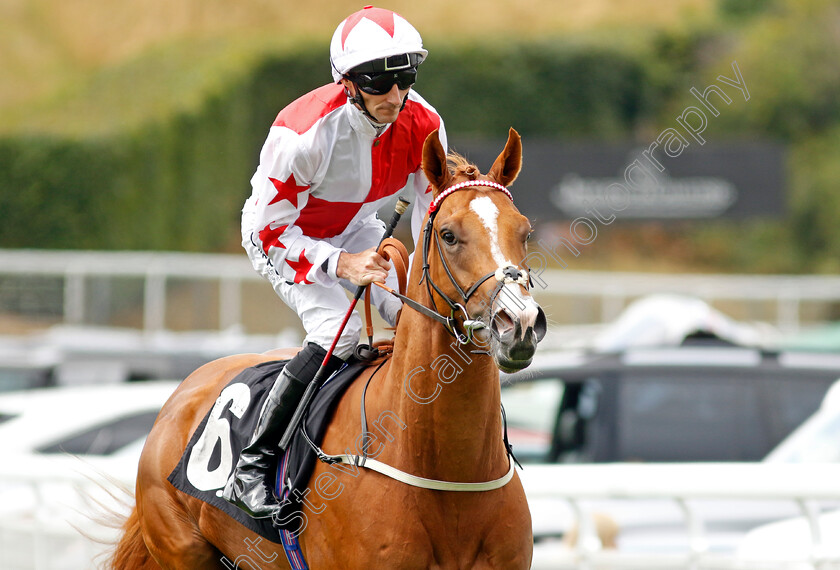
pixel 403 532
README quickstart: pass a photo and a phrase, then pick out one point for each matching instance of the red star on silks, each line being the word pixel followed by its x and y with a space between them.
pixel 271 237
pixel 287 190
pixel 385 19
pixel 301 267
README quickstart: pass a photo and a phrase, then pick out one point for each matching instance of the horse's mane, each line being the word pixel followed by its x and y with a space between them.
pixel 460 165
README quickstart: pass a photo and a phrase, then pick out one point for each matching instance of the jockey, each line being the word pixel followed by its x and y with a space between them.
pixel 332 158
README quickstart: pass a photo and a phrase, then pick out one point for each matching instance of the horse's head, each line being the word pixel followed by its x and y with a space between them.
pixel 474 254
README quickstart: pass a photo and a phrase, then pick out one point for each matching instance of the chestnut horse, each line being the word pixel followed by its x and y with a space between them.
pixel 439 391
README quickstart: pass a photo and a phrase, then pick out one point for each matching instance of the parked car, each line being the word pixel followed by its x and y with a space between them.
pixel 67 454
pixel 816 441
pixel 703 400
pixel 87 422
pixel 745 511
pixel 66 355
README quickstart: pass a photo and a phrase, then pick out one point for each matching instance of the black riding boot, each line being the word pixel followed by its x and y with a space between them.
pixel 249 486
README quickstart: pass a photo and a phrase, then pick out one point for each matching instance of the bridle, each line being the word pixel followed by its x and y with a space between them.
pixel 504 275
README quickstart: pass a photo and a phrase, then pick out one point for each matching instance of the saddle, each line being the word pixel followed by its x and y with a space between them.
pixel 214 447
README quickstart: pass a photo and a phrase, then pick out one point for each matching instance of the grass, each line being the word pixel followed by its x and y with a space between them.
pixel 94 66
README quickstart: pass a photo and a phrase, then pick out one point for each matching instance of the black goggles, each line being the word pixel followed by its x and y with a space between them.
pixel 381 83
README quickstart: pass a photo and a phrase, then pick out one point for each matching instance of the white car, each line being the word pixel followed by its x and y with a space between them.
pixel 96 421
pixel 656 510
pixel 816 441
pixel 69 455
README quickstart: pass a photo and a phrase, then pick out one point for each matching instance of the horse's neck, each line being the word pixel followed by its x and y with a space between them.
pixel 449 399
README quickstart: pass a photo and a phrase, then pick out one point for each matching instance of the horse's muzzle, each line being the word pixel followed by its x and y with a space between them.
pixel 515 334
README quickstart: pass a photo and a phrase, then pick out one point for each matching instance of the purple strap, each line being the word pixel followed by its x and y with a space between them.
pixel 291 544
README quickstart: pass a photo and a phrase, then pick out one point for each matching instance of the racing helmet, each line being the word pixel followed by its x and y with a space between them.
pixel 379 38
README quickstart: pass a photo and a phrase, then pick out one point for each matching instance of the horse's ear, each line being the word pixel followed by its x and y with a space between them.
pixel 434 163
pixel 509 163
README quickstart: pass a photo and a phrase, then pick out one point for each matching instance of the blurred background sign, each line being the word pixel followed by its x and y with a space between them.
pixel 565 180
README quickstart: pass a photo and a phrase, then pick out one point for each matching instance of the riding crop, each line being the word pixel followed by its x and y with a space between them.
pixel 321 375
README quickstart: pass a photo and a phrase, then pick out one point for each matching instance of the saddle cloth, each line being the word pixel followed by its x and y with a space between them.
pixel 214 447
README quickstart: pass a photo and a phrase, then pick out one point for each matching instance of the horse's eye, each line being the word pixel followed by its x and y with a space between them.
pixel 448 237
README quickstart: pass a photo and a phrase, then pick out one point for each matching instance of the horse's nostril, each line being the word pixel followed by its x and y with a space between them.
pixel 540 325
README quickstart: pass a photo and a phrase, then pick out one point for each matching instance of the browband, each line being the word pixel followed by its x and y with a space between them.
pixel 489 183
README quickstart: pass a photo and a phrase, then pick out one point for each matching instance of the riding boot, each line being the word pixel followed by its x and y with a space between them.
pixel 250 487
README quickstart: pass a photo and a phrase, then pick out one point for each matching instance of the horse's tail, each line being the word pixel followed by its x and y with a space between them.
pixel 130 551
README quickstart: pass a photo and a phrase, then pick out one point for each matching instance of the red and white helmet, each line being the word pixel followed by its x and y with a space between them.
pixel 374 34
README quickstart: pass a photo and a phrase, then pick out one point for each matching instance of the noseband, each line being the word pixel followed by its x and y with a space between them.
pixel 504 275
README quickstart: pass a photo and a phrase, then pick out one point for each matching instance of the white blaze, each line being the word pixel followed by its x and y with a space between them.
pixel 521 306
pixel 488 213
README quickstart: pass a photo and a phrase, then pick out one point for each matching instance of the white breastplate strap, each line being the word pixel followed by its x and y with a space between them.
pixel 422 482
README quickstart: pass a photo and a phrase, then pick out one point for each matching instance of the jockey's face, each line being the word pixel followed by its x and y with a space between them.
pixel 383 108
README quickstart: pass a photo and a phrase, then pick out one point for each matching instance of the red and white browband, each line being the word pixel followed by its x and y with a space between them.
pixel 461 185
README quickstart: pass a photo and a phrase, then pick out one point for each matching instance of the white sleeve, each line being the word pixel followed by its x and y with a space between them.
pixel 280 190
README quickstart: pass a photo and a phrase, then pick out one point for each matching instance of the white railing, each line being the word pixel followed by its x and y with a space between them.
pixel 614 289
pixel 155 269
pixel 807 487
pixel 610 291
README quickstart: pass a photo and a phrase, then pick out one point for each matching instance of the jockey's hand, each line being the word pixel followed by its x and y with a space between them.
pixel 362 268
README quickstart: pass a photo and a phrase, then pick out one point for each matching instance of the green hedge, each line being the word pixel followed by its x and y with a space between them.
pixel 175 186
pixel 51 194
pixel 540 89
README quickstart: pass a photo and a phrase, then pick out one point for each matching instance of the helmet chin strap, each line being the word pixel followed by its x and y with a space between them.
pixel 360 102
